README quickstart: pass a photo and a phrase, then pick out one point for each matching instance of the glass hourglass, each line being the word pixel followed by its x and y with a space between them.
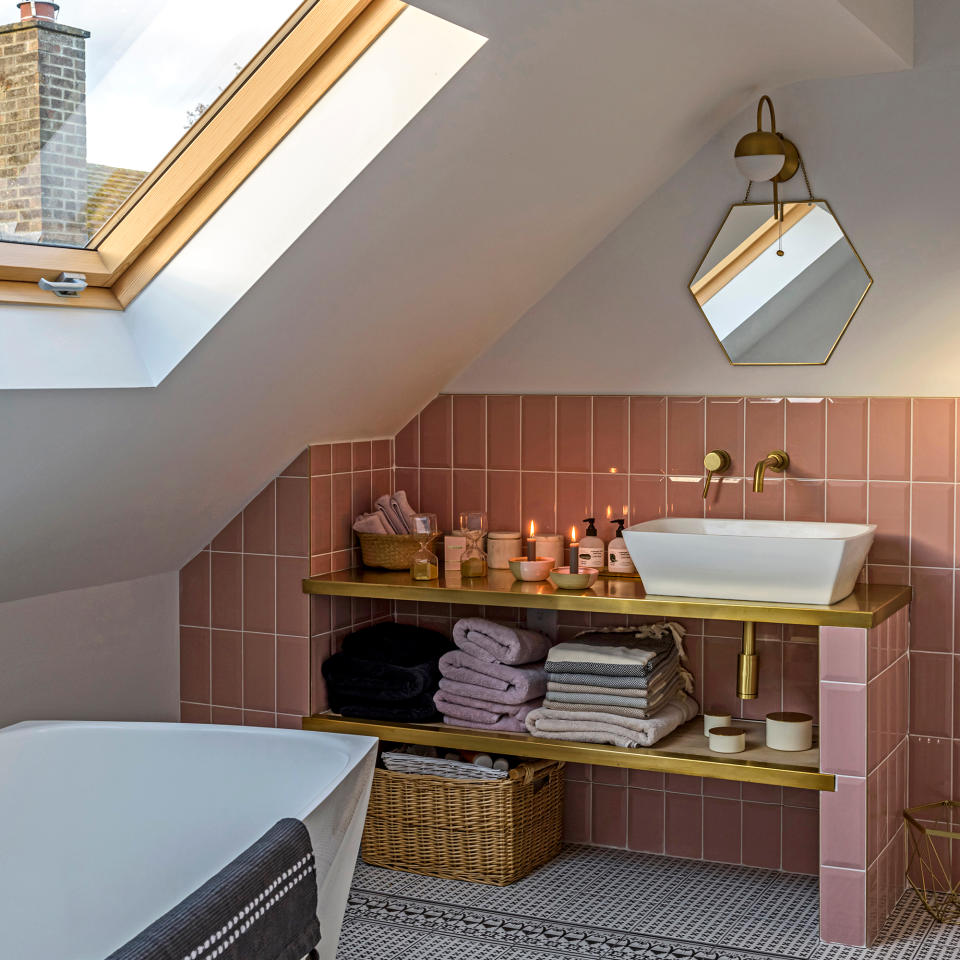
pixel 473 561
pixel 424 565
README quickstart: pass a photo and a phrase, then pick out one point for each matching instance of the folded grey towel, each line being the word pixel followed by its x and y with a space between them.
pixel 660 682
pixel 641 703
pixel 498 643
pixel 371 523
pixel 619 651
pixel 664 666
pixel 391 520
pixel 593 708
pixel 616 729
pixel 260 906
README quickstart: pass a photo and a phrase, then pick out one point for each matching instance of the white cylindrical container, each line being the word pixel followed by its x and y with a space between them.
pixel 550 545
pixel 789 731
pixel 711 720
pixel 728 739
pixel 502 545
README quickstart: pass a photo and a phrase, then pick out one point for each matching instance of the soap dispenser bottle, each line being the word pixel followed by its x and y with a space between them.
pixel 593 551
pixel 618 559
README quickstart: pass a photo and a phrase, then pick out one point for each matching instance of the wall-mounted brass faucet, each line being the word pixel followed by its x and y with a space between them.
pixel 776 460
pixel 716 461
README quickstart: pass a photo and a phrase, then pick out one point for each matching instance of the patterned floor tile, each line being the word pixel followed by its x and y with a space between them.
pixel 613 904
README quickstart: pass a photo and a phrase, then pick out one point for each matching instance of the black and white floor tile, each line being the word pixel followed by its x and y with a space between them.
pixel 617 905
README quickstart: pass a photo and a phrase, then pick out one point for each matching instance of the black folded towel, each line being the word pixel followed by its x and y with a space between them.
pixel 420 709
pixel 261 906
pixel 402 644
pixel 354 677
pixel 386 662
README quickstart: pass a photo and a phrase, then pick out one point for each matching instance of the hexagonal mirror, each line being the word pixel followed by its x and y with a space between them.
pixel 780 291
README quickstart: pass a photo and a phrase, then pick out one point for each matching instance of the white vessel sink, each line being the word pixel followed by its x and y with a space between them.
pixel 774 560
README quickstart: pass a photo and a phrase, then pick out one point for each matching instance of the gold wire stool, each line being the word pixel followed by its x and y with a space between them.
pixel 927 874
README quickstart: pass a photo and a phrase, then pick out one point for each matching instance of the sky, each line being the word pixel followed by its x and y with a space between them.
pixel 151 61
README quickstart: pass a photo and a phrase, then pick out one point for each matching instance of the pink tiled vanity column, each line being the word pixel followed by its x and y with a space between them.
pixel 864 691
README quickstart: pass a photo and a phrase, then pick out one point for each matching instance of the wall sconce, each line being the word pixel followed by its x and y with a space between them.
pixel 766 154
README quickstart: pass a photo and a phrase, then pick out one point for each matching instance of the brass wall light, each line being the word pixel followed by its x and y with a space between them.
pixel 767 154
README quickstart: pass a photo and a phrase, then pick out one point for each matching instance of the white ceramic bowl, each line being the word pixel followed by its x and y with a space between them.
pixel 565 580
pixel 538 569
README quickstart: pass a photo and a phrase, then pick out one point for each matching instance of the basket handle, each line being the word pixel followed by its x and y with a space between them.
pixel 528 771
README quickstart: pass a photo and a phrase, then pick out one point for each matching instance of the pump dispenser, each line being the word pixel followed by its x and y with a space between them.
pixel 593 551
pixel 618 559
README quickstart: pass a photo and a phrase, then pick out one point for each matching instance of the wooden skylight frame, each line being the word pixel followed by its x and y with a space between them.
pixel 294 69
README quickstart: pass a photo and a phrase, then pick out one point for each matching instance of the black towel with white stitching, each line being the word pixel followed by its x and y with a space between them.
pixel 261 906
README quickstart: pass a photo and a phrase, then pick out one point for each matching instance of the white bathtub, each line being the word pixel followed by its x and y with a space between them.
pixel 106 826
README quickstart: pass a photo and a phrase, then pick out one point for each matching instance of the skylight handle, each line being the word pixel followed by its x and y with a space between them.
pixel 66 285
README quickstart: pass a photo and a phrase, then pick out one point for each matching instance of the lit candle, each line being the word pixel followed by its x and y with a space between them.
pixel 532 543
pixel 574 551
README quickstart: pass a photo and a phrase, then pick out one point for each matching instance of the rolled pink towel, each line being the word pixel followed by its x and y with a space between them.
pixel 469 677
pixel 497 643
pixel 467 711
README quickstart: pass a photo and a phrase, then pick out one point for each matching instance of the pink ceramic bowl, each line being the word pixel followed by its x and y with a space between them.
pixel 565 580
pixel 538 569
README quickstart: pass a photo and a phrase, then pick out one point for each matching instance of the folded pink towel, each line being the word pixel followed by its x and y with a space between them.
pixel 467 711
pixel 469 677
pixel 496 643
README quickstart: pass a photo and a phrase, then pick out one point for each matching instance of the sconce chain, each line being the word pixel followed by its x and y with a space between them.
pixel 806 180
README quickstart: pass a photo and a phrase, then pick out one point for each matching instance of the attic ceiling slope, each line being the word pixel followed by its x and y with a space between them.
pixel 493 192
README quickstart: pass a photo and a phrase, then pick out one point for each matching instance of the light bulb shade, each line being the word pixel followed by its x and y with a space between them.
pixel 759 155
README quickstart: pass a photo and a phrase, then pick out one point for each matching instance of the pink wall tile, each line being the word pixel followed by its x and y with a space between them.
pixel 648 498
pixel 503 433
pixel 436 433
pixel 469 491
pixel 227 668
pixel 538 430
pixel 801 690
pixel 768 505
pixel 804 500
pixel 259 672
pixel 293 516
pixel 406 444
pixel 361 493
pixel 610 490
pixel 195 591
pixel 226 590
pixel 761 834
pixel 381 482
pixel 648 435
pixel 259 593
pixel 470 432
pixel 932 609
pixel 843 906
pixel 933 439
pixel 611 436
pixel 228 715
pixel 321 509
pixel 846 501
pixel 721 830
pixel 320 459
pixel 801 840
pixel 574 434
pixel 931 525
pixel 293 605
pixel 890 438
pixel 503 499
pixel 806 436
pixel 684 497
pixel 293 675
pixel 725 498
pixel 764 428
pixel 538 501
pixel 930 770
pixel 259 718
pixel 725 417
pixel 843 654
pixel 890 510
pixel 843 741
pixel 259 522
pixel 362 454
pixel 608 815
pixel 931 694
pixel 843 824
pixel 342 512
pixel 645 819
pixel 195 664
pixel 194 712
pixel 574 499
pixel 382 455
pixel 683 827
pixel 299 466
pixel 230 538
pixel 576 812
pixel 341 457
pixel 847 438
pixel 685 435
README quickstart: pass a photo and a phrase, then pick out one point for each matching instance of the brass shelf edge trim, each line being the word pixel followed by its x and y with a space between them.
pixel 640 758
pixel 364 583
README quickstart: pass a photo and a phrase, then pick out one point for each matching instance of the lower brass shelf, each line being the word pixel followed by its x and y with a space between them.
pixel 684 751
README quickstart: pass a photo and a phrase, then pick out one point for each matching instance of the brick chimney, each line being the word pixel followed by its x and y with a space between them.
pixel 43 128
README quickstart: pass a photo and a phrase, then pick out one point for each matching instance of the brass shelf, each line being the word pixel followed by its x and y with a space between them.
pixel 865 607
pixel 684 751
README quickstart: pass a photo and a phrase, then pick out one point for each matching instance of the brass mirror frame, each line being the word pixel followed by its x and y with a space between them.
pixel 785 363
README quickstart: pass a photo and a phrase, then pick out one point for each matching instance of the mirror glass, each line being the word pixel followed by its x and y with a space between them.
pixel 780 293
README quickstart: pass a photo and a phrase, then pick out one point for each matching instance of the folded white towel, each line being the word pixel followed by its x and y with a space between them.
pixel 616 729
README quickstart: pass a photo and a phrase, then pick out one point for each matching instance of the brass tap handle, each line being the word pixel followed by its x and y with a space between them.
pixel 716 461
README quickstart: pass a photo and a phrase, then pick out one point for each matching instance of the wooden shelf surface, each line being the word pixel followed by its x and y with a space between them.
pixel 684 751
pixel 865 607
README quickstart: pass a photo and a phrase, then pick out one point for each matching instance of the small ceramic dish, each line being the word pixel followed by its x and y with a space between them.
pixel 565 580
pixel 524 569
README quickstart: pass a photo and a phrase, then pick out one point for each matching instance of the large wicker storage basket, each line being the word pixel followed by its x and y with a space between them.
pixel 488 832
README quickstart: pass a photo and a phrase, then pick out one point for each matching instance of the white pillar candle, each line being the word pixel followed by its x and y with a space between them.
pixel 789 731
pixel 715 720
pixel 728 740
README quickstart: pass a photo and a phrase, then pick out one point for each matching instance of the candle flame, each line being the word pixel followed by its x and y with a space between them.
pixel 573 534
pixel 533 528
pixel 613 469
pixel 609 511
